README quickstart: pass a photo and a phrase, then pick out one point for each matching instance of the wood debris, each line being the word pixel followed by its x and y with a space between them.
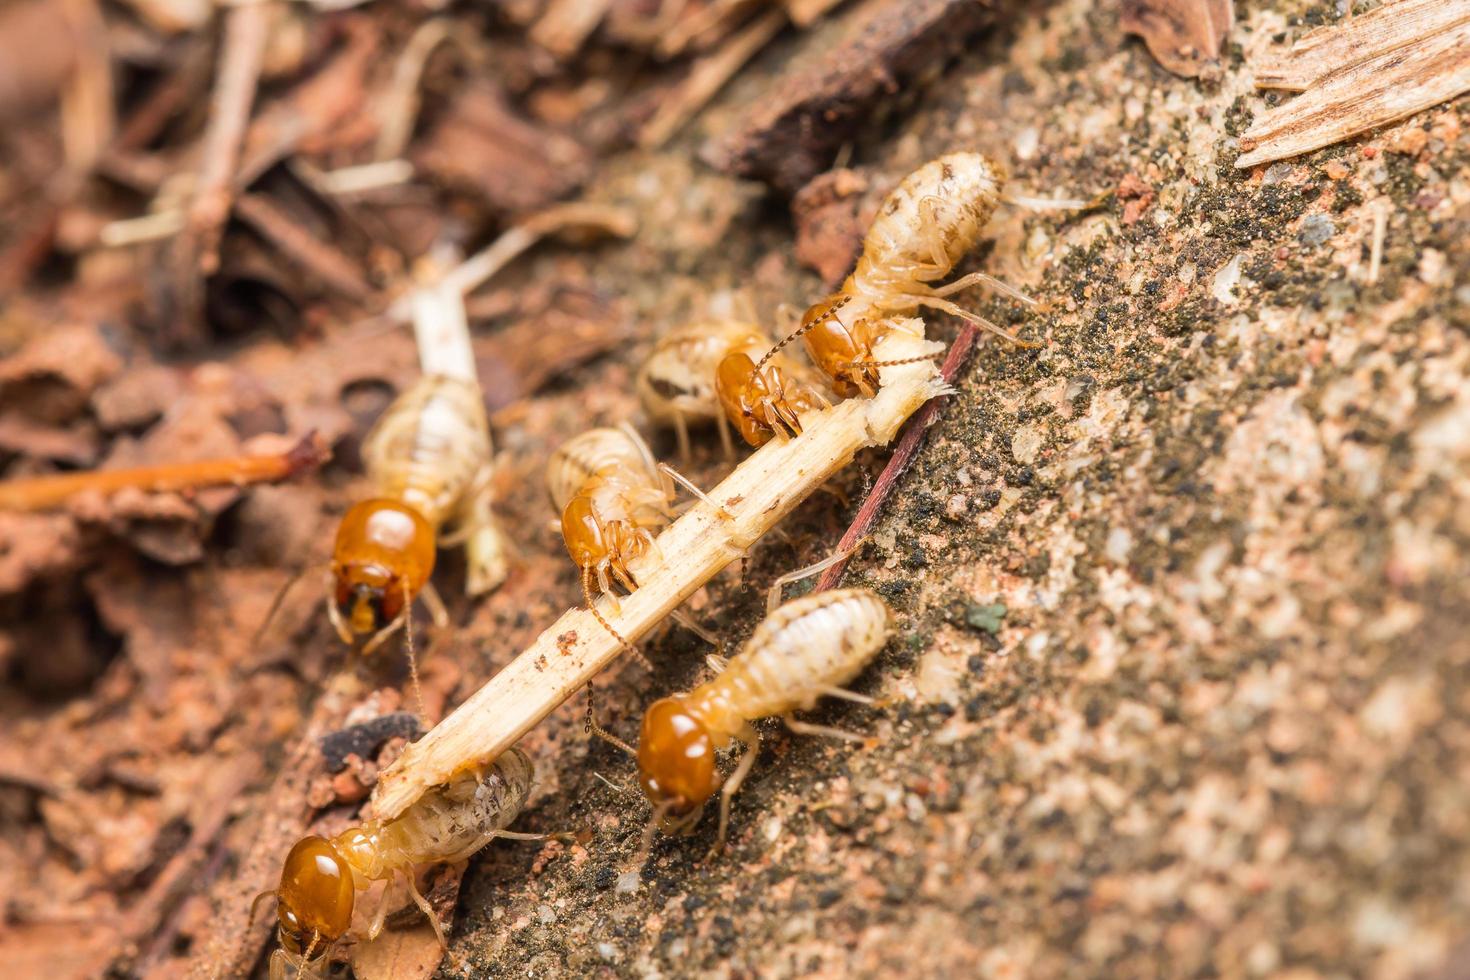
pixel 1335 46
pixel 1402 80
pixel 793 131
pixel 45 492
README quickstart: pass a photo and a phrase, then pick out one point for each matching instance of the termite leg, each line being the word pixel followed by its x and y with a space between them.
pixel 752 740
pixel 846 695
pixel 381 916
pixel 681 432
pixel 638 440
pixel 807 728
pixel 426 908
pixel 668 471
pixel 687 621
pixel 604 586
pixel 716 663
pixel 334 615
pixel 486 560
pixel 726 443
pixel 517 835
pixel 929 227
pixel 1049 203
pixel 434 603
pixel 975 318
pixel 773 594
pixel 988 281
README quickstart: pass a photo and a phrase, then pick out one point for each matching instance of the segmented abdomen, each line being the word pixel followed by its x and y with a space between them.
pixel 430 445
pixel 575 461
pixel 953 196
pixel 679 376
pixel 819 640
pixel 453 821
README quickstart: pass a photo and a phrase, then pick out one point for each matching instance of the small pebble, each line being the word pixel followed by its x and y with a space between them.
pixel 1316 229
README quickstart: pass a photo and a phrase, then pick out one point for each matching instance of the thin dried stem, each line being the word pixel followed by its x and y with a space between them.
pixel 757 495
pixel 473 271
pixel 45 492
pixel 1380 232
pixel 903 454
pixel 707 77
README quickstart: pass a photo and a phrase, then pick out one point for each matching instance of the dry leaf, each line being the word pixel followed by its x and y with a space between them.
pixel 1185 36
pixel 1336 46
pixel 1364 96
pixel 398 954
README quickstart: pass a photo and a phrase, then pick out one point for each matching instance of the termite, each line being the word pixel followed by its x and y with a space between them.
pixel 321 876
pixel 923 229
pixel 676 384
pixel 765 398
pixel 803 650
pixel 428 460
pixel 611 494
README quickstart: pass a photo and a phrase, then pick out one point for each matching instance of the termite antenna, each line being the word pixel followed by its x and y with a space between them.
pixel 316 937
pixel 592 608
pixel 591 727
pixel 830 314
pixel 276 602
pixel 255 905
pixel 906 360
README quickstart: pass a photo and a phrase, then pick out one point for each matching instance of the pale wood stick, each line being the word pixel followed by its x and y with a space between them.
pixel 1363 96
pixel 762 490
pixel 1335 46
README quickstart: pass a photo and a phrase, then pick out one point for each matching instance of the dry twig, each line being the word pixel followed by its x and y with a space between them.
pixel 45 492
pixel 196 251
pixel 898 463
pixel 707 77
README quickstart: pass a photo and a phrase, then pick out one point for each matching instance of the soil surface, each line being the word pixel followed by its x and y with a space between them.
pixel 1181 674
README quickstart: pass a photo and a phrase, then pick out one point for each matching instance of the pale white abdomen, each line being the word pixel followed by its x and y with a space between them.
pixel 944 206
pixel 453 821
pixel 678 379
pixel 817 641
pixel 595 451
pixel 430 446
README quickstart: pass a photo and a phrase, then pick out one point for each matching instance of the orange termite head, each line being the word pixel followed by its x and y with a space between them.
pixel 740 389
pixel 383 556
pixel 835 350
pixel 583 532
pixel 676 761
pixel 314 902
